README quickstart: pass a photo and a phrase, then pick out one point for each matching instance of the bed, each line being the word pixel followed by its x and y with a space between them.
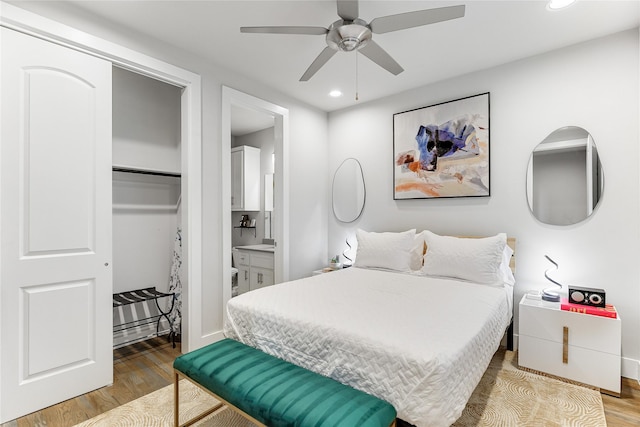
pixel 391 327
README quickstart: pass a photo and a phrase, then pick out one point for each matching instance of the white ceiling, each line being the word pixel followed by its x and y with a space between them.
pixel 491 33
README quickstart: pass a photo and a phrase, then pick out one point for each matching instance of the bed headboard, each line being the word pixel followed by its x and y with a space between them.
pixel 511 241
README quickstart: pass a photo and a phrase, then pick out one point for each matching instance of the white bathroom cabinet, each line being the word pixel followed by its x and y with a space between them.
pixel 245 178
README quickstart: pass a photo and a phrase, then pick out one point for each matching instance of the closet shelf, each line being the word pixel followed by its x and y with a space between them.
pixel 142 295
pixel 143 207
pixel 145 171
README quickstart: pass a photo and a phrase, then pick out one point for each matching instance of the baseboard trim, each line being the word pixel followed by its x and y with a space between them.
pixel 631 368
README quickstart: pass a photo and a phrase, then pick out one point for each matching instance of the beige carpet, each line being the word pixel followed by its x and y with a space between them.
pixel 506 396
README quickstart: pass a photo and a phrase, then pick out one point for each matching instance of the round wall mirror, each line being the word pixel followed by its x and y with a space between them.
pixel 565 180
pixel 348 191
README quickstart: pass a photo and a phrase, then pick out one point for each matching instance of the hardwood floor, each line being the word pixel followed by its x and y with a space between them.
pixel 142 368
pixel 623 411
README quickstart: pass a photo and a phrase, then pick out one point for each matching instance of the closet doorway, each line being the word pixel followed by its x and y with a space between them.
pixel 235 102
pixel 147 220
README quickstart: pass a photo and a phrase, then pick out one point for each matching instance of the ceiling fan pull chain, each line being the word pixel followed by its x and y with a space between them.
pixel 356 55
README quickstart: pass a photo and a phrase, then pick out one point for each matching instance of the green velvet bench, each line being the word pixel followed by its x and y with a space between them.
pixel 272 392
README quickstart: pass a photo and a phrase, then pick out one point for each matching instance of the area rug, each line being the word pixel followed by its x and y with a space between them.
pixel 506 396
pixel 156 410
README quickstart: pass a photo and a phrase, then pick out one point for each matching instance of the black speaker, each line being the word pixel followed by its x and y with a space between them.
pixel 587 296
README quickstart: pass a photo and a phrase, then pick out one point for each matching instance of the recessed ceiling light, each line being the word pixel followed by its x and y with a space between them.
pixel 559 4
pixel 335 93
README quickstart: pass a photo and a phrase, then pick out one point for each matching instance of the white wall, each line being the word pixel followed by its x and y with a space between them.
pixel 308 157
pixel 144 228
pixel 146 117
pixel 593 85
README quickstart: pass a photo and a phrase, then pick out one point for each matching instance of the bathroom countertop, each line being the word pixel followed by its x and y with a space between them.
pixel 261 248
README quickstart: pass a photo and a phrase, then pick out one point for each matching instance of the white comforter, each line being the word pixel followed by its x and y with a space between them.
pixel 420 343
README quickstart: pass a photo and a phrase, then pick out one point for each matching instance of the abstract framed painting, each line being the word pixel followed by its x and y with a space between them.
pixel 442 150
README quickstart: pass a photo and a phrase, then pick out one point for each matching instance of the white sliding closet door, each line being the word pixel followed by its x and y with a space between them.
pixel 55 206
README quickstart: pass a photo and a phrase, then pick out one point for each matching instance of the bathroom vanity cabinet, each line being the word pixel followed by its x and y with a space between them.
pixel 255 267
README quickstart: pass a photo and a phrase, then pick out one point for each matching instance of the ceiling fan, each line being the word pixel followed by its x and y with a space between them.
pixel 350 33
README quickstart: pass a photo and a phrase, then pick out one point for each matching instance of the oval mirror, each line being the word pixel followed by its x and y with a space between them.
pixel 565 180
pixel 348 191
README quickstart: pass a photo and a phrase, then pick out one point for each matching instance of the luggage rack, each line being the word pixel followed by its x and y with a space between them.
pixel 142 295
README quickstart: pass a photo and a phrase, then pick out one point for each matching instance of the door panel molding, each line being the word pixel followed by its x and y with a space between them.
pixel 44 326
pixel 62 222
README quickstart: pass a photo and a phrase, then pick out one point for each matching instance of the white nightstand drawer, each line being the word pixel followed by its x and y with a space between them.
pixel 585 330
pixel 586 366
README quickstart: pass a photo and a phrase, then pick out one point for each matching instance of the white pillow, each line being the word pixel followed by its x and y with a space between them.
pixel 417 252
pixel 384 250
pixel 476 260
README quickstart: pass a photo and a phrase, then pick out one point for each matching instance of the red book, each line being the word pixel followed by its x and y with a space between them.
pixel 607 311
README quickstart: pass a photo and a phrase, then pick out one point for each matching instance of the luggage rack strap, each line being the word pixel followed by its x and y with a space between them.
pixel 138 295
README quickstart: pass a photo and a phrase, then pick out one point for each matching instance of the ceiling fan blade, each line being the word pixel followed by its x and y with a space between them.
pixel 312 31
pixel 348 9
pixel 374 52
pixel 386 24
pixel 322 59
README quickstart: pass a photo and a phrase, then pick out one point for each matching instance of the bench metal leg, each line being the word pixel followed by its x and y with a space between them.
pixel 176 404
pixel 176 400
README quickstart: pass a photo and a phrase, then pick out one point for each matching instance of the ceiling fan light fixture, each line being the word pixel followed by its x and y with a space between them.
pixel 348 44
pixel 347 36
pixel 336 93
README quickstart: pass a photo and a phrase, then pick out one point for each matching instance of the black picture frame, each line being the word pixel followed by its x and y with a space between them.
pixel 443 150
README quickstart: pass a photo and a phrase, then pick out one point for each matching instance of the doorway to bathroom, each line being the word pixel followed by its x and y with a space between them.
pixel 255 226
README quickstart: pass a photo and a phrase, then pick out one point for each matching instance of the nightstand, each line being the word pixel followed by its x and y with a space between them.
pixel 580 347
pixel 322 270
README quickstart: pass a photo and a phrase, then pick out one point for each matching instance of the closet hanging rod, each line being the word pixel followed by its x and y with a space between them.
pixel 146 172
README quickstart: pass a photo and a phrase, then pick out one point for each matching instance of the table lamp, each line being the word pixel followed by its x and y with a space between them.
pixel 551 295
